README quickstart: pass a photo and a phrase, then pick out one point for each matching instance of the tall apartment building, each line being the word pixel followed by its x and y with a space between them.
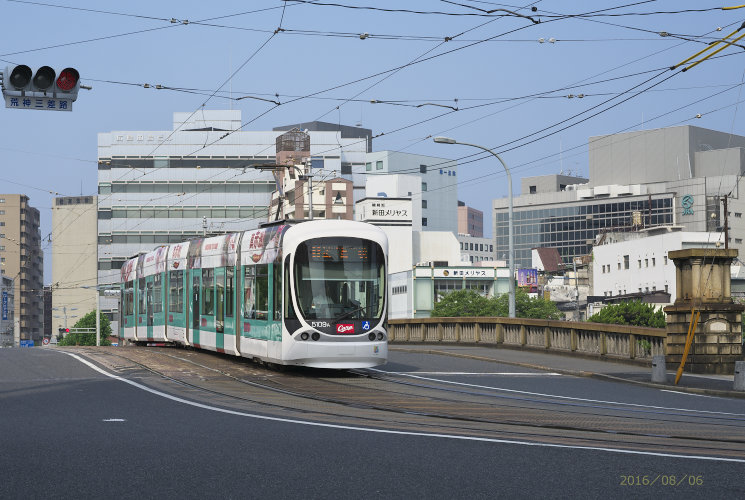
pixel 74 262
pixel 438 191
pixel 642 179
pixel 23 261
pixel 470 220
pixel 158 187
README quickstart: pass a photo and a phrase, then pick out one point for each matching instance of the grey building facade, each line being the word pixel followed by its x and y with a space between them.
pixel 638 180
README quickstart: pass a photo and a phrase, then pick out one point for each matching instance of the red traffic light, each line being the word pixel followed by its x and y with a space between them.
pixel 67 79
pixel 20 76
pixel 67 330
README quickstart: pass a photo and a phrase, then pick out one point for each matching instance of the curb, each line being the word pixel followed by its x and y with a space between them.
pixel 581 373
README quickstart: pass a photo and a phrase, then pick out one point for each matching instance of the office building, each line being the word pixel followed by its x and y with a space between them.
pixel 470 220
pixel 672 176
pixel 438 179
pixel 22 261
pixel 158 187
pixel 74 259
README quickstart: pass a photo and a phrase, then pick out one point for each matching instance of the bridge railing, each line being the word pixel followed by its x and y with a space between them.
pixel 616 341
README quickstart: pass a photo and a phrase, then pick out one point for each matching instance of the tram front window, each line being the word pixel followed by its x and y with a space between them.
pixel 338 278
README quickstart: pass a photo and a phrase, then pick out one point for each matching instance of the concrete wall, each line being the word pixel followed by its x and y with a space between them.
pixel 657 155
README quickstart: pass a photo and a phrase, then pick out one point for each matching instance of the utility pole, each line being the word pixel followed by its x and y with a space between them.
pixel 726 223
pixel 576 288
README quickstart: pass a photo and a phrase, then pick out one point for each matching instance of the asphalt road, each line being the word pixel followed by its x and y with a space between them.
pixel 69 431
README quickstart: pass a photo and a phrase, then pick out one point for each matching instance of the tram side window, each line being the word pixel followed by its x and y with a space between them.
pixel 229 292
pixel 141 296
pixel 176 292
pixel 157 294
pixel 208 295
pixel 249 292
pixel 129 299
pixel 277 292
pixel 220 304
pixel 262 291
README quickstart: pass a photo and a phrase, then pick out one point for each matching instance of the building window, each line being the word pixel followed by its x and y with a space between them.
pixel 665 288
pixel 424 221
pixel 346 168
pixel 640 263
pixel 424 186
pixel 533 190
pixel 378 165
pixel 665 259
pixel 619 265
pixel 368 166
pixel 424 203
pixel 423 169
pixel 646 262
pixel 625 261
pixel 738 214
pixel 738 240
pixel 653 261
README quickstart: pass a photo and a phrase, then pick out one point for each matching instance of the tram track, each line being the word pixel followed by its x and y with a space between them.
pixel 381 400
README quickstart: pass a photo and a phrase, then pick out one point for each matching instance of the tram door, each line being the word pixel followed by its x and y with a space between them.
pixel 149 306
pixel 141 310
pixel 195 285
pixel 219 309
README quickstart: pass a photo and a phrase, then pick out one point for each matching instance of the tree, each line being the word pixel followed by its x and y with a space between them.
pixel 89 321
pixel 633 313
pixel 528 307
pixel 463 303
pixel 471 303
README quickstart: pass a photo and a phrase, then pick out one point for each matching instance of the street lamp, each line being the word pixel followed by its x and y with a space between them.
pixel 448 140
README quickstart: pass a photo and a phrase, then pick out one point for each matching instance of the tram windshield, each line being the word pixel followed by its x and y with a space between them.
pixel 340 278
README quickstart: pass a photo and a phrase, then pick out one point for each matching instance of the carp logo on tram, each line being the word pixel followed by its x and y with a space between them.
pixel 310 294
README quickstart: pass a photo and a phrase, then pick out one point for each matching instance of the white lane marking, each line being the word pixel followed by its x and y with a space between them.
pixel 515 374
pixel 388 431
pixel 687 393
pixel 569 398
pixel 113 420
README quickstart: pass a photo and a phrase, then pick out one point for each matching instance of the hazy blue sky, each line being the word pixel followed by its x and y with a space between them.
pixel 492 65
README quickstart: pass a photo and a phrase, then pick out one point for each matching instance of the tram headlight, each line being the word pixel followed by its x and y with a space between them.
pixel 371 336
pixel 304 336
pixel 381 336
pixel 315 336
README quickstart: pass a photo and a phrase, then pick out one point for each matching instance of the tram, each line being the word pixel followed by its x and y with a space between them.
pixel 312 294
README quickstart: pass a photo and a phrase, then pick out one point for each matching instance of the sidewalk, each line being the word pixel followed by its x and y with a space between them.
pixel 609 369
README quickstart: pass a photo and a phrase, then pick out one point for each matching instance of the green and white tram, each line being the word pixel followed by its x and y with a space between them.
pixel 311 294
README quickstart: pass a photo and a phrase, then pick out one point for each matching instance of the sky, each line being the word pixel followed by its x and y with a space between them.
pixel 501 79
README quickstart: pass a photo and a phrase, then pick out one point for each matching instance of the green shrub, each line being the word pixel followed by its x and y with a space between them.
pixel 633 313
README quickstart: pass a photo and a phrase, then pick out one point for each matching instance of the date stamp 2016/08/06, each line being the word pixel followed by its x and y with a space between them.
pixel 661 479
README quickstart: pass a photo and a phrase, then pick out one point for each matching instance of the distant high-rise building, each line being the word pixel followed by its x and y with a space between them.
pixel 74 246
pixel 470 221
pixel 23 261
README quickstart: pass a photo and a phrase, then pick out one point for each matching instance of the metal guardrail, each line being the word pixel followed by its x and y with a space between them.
pixel 613 341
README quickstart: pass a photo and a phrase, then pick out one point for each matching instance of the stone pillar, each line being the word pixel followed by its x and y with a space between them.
pixel 703 284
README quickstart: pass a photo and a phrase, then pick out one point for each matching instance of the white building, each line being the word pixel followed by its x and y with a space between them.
pixel 158 187
pixel 422 265
pixel 437 194
pixel 476 250
pixel 637 263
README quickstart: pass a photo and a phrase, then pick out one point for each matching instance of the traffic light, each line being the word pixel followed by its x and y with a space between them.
pixel 40 89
